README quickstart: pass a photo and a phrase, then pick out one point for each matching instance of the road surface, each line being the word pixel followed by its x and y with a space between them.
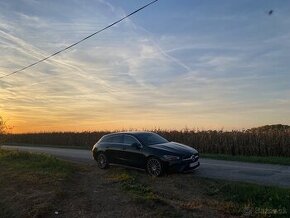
pixel 264 174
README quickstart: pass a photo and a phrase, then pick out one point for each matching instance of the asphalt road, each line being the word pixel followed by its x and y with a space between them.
pixel 265 174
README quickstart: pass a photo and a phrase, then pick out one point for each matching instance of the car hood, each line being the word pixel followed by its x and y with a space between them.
pixel 174 147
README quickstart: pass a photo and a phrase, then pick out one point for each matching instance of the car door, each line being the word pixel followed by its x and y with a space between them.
pixel 133 155
pixel 114 148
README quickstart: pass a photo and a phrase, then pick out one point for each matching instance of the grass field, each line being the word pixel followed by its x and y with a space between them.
pixel 184 195
pixel 30 183
pixel 263 142
pixel 33 185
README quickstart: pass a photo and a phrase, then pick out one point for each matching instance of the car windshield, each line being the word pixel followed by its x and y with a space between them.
pixel 150 139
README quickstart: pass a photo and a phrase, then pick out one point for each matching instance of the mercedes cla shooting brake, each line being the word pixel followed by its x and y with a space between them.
pixel 144 150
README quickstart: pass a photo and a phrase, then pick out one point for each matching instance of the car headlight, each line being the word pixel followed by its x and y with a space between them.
pixel 171 157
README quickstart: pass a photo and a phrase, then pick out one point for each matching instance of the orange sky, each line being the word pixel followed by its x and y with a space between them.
pixel 145 121
pixel 215 67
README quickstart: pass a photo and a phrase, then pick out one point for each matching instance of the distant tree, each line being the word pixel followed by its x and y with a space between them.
pixel 275 127
pixel 2 129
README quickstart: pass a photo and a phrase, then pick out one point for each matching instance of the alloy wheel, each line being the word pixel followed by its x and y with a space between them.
pixel 102 161
pixel 154 167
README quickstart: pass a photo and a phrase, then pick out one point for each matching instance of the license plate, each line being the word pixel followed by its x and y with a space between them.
pixel 193 164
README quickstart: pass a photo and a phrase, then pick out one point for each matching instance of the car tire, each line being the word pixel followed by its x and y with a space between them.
pixel 102 161
pixel 154 167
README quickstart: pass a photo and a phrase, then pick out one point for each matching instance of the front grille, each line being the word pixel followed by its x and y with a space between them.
pixel 191 157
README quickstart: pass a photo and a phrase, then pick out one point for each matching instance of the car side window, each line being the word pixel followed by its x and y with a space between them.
pixel 115 139
pixel 129 140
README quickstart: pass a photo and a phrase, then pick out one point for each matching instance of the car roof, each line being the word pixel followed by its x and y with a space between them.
pixel 129 133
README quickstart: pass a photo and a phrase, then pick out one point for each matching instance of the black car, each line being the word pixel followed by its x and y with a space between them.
pixel 144 150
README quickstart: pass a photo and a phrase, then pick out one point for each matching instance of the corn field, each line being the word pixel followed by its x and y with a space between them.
pixel 256 142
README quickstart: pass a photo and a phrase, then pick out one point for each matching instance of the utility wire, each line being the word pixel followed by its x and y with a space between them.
pixel 78 42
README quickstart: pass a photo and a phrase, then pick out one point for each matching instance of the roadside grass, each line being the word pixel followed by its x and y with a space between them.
pixel 183 195
pixel 141 193
pixel 5 211
pixel 250 159
pixel 35 163
pixel 29 183
pixel 255 200
pixel 130 184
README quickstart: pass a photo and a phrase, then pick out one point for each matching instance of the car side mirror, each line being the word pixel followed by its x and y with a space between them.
pixel 136 145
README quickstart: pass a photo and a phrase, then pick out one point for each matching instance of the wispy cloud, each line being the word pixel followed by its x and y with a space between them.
pixel 134 77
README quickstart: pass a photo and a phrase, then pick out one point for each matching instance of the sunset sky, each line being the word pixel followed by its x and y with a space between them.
pixel 176 64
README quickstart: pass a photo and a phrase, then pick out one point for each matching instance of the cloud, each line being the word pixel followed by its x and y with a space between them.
pixel 131 77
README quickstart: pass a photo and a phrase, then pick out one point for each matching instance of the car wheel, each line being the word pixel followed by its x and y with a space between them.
pixel 154 167
pixel 102 161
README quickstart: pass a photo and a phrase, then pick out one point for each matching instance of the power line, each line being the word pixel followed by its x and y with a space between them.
pixel 78 42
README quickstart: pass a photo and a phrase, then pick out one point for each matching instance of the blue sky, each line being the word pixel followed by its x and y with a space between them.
pixel 196 64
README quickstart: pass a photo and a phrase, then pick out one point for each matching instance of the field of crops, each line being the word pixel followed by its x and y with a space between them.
pixel 258 142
